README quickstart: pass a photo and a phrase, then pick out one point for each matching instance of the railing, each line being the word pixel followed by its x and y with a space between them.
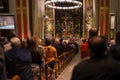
pixel 62 61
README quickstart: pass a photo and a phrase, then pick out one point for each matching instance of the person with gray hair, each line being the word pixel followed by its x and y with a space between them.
pixel 15 42
pixel 18 61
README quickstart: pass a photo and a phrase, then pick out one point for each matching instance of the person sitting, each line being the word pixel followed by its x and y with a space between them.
pixel 98 66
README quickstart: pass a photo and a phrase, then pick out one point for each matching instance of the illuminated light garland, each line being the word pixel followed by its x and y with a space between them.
pixel 48 4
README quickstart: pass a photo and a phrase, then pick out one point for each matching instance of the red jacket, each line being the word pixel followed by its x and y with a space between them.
pixel 84 50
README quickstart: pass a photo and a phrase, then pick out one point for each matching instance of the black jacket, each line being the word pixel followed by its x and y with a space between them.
pixel 97 69
pixel 18 63
pixel 2 65
pixel 115 51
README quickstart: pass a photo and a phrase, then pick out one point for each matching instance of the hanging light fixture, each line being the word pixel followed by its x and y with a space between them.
pixel 73 4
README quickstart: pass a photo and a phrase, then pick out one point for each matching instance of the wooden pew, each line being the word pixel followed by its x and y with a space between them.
pixel 62 61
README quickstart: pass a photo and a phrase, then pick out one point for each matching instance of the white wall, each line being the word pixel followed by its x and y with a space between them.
pixel 12 10
pixel 38 17
pixel 12 6
pixel 115 9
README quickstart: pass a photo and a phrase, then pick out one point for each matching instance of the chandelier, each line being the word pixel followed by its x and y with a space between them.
pixel 63 4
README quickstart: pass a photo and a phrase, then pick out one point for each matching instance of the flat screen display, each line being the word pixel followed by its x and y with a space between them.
pixel 7 22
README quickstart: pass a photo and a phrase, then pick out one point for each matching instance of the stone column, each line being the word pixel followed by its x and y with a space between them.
pixel 38 17
pixel 118 14
pixel 12 10
pixel 96 13
pixel 104 17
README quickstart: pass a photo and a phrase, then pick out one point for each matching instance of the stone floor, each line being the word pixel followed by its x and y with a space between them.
pixel 66 74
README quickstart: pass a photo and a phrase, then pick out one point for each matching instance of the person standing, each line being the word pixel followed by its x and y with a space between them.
pixel 93 32
pixel 115 49
pixel 98 66
pixel 84 48
pixel 3 75
pixel 51 56
pixel 18 60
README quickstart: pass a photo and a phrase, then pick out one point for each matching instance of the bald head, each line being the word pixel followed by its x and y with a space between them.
pixel 15 41
pixel 97 46
pixel 93 32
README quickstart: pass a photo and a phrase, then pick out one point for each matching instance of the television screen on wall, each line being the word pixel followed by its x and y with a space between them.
pixel 7 21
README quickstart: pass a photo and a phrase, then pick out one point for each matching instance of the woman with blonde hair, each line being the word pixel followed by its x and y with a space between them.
pixel 39 47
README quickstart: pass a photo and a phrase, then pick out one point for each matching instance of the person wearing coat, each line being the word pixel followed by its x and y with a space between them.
pixel 18 60
pixel 3 75
pixel 99 66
